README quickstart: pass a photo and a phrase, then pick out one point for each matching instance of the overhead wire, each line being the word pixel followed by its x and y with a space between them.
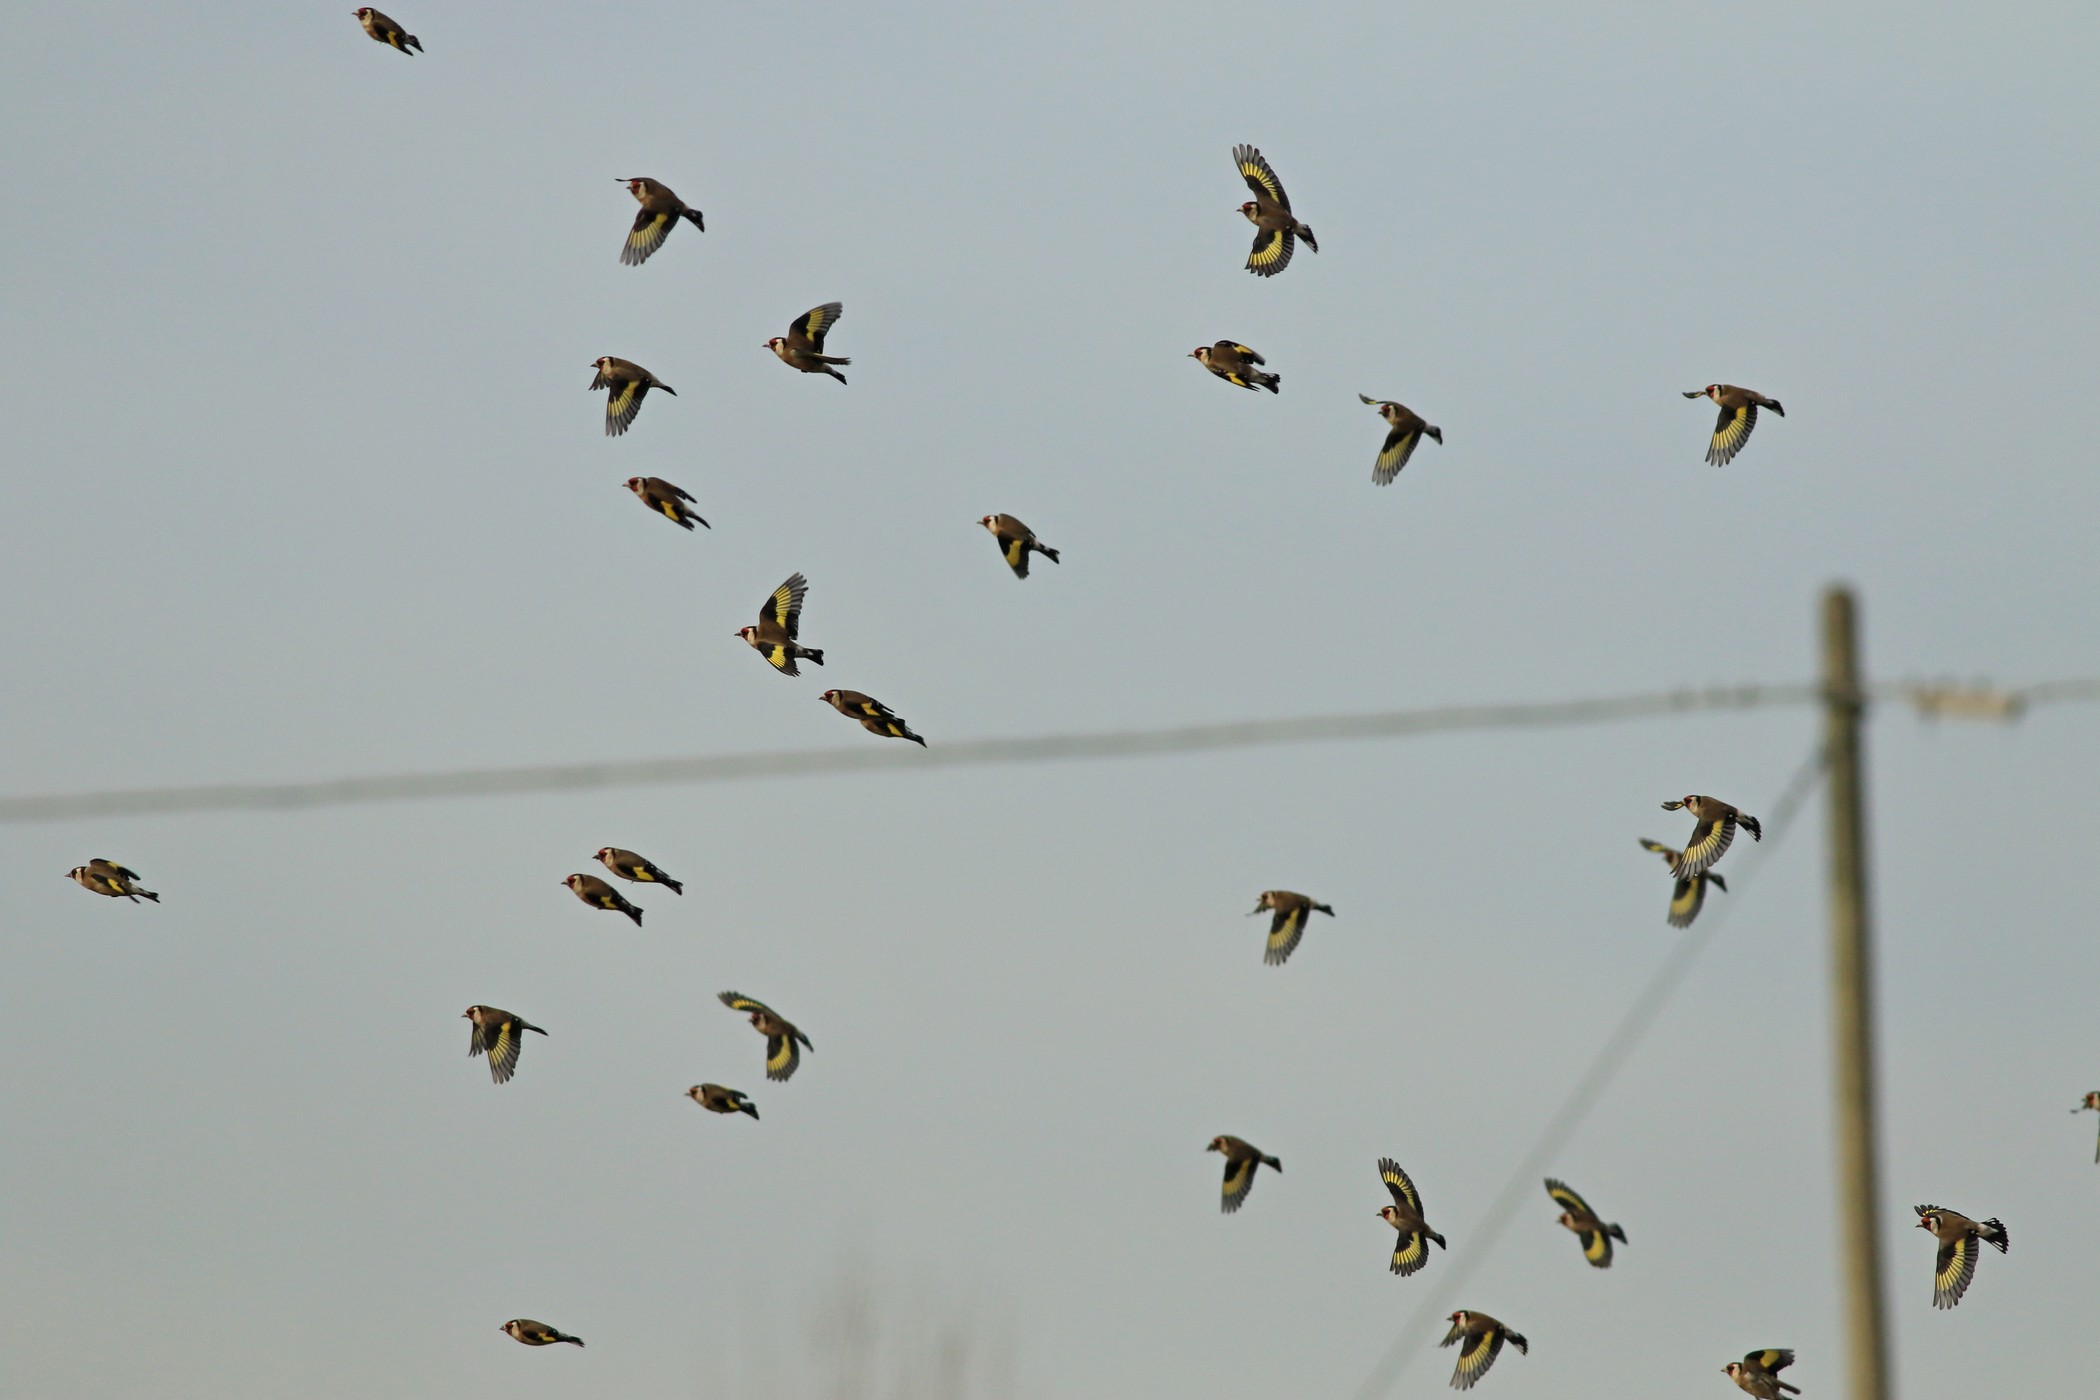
pixel 1584 1094
pixel 715 768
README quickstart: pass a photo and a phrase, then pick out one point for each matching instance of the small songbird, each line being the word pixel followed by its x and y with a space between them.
pixel 386 31
pixel 498 1035
pixel 1738 416
pixel 716 1099
pixel 538 1334
pixel 666 500
pixel 599 895
pixel 660 212
pixel 629 866
pixel 1016 542
pixel 874 716
pixel 2091 1101
pixel 1758 1373
pixel 107 877
pixel 1293 912
pixel 1958 1236
pixel 1276 228
pixel 1711 837
pixel 1405 430
pixel 627 384
pixel 1689 893
pixel 1593 1234
pixel 779 622
pixel 1411 1251
pixel 1235 364
pixel 1242 1160
pixel 1483 1337
pixel 781 1036
pixel 803 345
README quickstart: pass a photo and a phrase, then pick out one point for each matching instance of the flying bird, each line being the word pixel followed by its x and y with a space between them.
pixel 781 1036
pixel 387 31
pixel 1016 542
pixel 599 895
pixel 1411 1251
pixel 1405 430
pixel 1758 1373
pixel 1689 893
pixel 626 384
pixel 1712 836
pixel 1292 912
pixel 498 1035
pixel 1958 1236
pixel 1592 1233
pixel 1276 229
pixel 1483 1337
pixel 1235 364
pixel 779 622
pixel 716 1099
pixel 666 500
pixel 2091 1101
pixel 660 212
pixel 803 346
pixel 106 877
pixel 1738 416
pixel 1242 1160
pixel 629 866
pixel 874 716
pixel 538 1334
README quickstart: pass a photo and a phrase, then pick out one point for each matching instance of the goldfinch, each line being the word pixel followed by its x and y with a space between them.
pixel 2091 1101
pixel 599 895
pixel 779 622
pixel 1411 1251
pixel 1276 228
pixel 1688 895
pixel 1958 1236
pixel 538 1334
pixel 386 31
pixel 626 384
pixel 782 1057
pixel 1483 1338
pixel 666 500
pixel 1758 1373
pixel 1235 364
pixel 498 1035
pixel 660 212
pixel 1717 822
pixel 1405 430
pixel 109 878
pixel 631 867
pixel 874 716
pixel 1242 1160
pixel 1592 1233
pixel 1016 542
pixel 716 1099
pixel 803 346
pixel 1287 925
pixel 1738 416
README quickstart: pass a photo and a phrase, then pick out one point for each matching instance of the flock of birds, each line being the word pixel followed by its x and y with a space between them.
pixel 499 1034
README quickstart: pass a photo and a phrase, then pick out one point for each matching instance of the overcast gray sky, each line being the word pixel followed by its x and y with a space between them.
pixel 304 480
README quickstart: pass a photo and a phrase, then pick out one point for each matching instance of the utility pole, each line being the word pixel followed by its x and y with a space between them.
pixel 1852 1001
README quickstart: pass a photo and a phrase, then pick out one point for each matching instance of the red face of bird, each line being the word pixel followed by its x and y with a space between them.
pixel 1929 1221
pixel 633 183
pixel 1732 1369
pixel 1567 1219
pixel 573 881
pixel 361 13
pixel 758 1019
pixel 602 363
pixel 634 484
pixel 747 633
pixel 826 697
pixel 1249 208
pixel 774 344
pixel 986 521
pixel 1217 1144
pixel 2091 1100
pixel 603 852
pixel 1202 353
pixel 1390 1216
pixel 1459 1318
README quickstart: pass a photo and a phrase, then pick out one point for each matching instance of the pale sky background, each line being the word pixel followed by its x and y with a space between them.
pixel 304 481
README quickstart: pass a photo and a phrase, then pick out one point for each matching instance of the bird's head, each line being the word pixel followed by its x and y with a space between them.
pixel 634 484
pixel 758 1018
pixel 1929 1220
pixel 634 184
pixel 1567 1218
pixel 2091 1100
pixel 602 363
pixel 363 12
pixel 76 872
pixel 1202 353
pixel 573 881
pixel 693 1093
pixel 829 697
pixel 1459 1318
pixel 776 343
pixel 1217 1144
pixel 1732 1369
pixel 1266 901
pixel 1389 1215
pixel 1250 208
pixel 986 521
pixel 748 633
pixel 604 853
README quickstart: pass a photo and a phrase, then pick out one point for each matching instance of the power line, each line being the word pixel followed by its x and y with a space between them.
pixel 1954 701
pixel 1583 1096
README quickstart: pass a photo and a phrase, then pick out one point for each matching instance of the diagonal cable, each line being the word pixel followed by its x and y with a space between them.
pixel 1583 1096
